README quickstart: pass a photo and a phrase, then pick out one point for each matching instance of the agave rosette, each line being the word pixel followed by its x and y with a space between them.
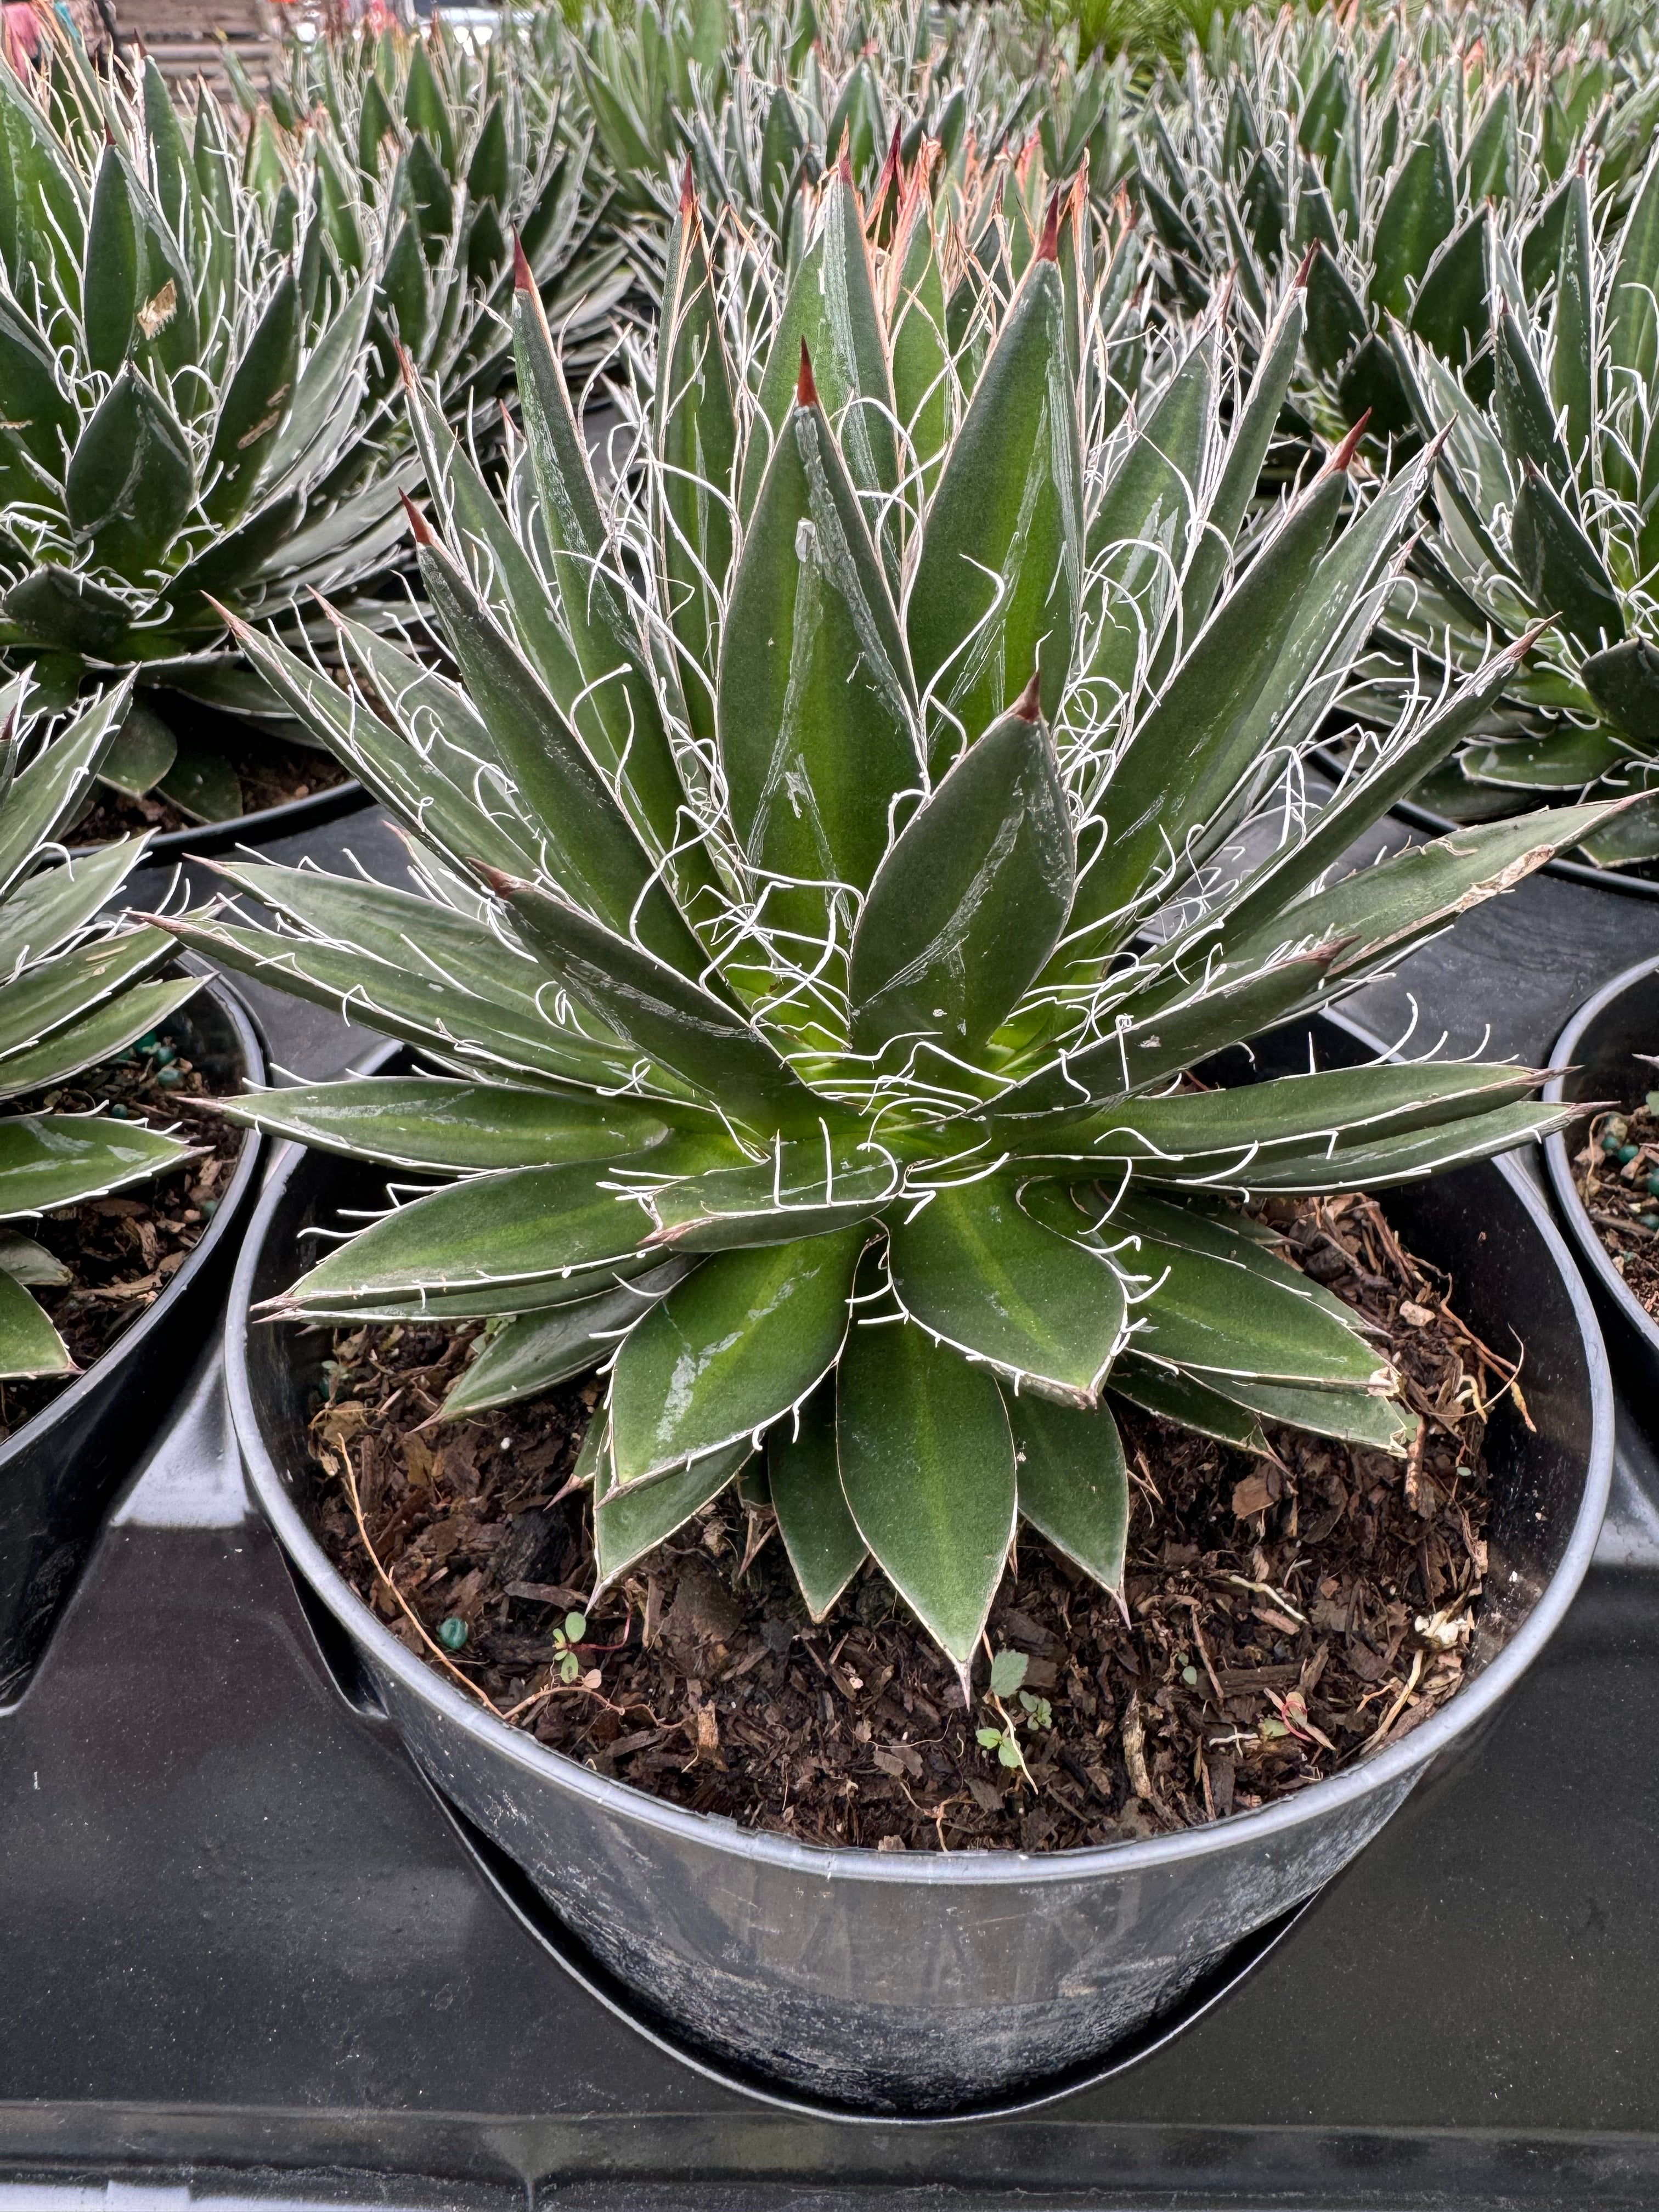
pixel 827 871
pixel 77 986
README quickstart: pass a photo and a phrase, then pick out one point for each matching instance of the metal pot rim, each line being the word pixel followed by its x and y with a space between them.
pixel 1559 1167
pixel 967 1868
pixel 129 1345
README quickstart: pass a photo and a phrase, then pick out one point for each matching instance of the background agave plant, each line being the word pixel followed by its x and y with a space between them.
pixel 78 987
pixel 825 879
pixel 458 148
pixel 183 359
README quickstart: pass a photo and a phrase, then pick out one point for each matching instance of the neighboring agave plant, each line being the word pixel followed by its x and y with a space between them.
pixel 1546 517
pixel 828 870
pixel 458 150
pixel 78 987
pixel 183 384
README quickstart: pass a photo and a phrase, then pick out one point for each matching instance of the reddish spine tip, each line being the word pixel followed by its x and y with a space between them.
pixel 417 522
pixel 1305 268
pixel 806 393
pixel 1048 243
pixel 498 880
pixel 1350 445
pixel 687 190
pixel 523 279
pixel 1028 705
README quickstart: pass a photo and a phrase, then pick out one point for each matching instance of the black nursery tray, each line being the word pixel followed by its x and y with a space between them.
pixel 247 1954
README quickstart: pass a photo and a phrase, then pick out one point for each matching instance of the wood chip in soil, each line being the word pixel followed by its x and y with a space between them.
pixel 1284 1616
pixel 1618 1201
pixel 122 1251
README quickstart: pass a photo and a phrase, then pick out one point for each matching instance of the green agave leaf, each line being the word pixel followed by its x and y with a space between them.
pixel 591 849
pixel 1418 212
pixel 998 583
pixel 695 430
pixel 131 480
pixel 924 378
pixel 1220 1318
pixel 1072 1483
pixel 1624 684
pixel 434 1122
pixel 1566 760
pixel 143 751
pixel 84 1043
pixel 1224 1234
pixel 620 720
pixel 737 1344
pixel 40 415
pixel 1354 1417
pixel 52 904
pixel 1526 418
pixel 1181 1398
pixel 804 1189
pixel 1633 304
pixel 1563 571
pixel 522 1227
pixel 831 309
pixel 255 406
pixel 968 904
pixel 974 1269
pixel 49 790
pixel 1492 162
pixel 1336 320
pixel 817 718
pixel 666 1015
pixel 1572 357
pixel 628 1526
pixel 426 109
pixel 1451 311
pixel 58 1159
pixel 1370 1165
pixel 534 1353
pixel 820 1535
pixel 113 266
pixel 59 989
pixel 29 1345
pixel 941 1533
pixel 1378 911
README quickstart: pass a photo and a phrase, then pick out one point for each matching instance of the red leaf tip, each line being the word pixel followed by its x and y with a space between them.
pixel 1028 705
pixel 687 190
pixel 497 879
pixel 806 393
pixel 1305 268
pixel 523 278
pixel 418 525
pixel 1350 445
pixel 1048 243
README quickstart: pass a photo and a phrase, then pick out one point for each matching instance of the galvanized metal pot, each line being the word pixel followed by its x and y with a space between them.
pixel 1597 1052
pixel 915 1983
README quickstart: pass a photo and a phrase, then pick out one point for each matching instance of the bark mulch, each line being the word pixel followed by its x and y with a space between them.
pixel 1618 1198
pixel 122 1251
pixel 1280 1617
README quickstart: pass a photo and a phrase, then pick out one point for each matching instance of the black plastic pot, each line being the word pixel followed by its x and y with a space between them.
pixel 60 1470
pixel 263 826
pixel 1596 1051
pixel 888 1982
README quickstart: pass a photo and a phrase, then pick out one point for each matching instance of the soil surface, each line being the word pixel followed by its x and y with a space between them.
pixel 1617 1196
pixel 1281 1616
pixel 123 1251
pixel 270 774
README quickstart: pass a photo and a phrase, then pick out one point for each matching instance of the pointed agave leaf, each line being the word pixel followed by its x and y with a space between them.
pixel 1572 356
pixel 255 406
pixel 59 1159
pixel 997 585
pixel 1418 215
pixel 628 1524
pixel 1563 571
pixel 1451 312
pixel 923 374
pixel 1493 160
pixel 1073 1485
pixel 695 430
pixel 102 1033
pixel 1633 304
pixel 968 904
pixel 49 792
pixel 820 1535
pixel 941 1535
pixel 130 478
pixel 1209 1314
pixel 975 1270
pixel 1367 1164
pixel 29 1345
pixel 832 310
pixel 592 849
pixel 667 1015
pixel 434 1121
pixel 537 1352
pixel 1354 1417
pixel 620 718
pixel 1526 417
pixel 113 267
pixel 816 708
pixel 738 1343
pixel 522 1227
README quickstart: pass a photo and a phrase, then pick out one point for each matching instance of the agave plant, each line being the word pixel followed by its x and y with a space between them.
pixel 457 151
pixel 827 900
pixel 79 986
pixel 186 417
